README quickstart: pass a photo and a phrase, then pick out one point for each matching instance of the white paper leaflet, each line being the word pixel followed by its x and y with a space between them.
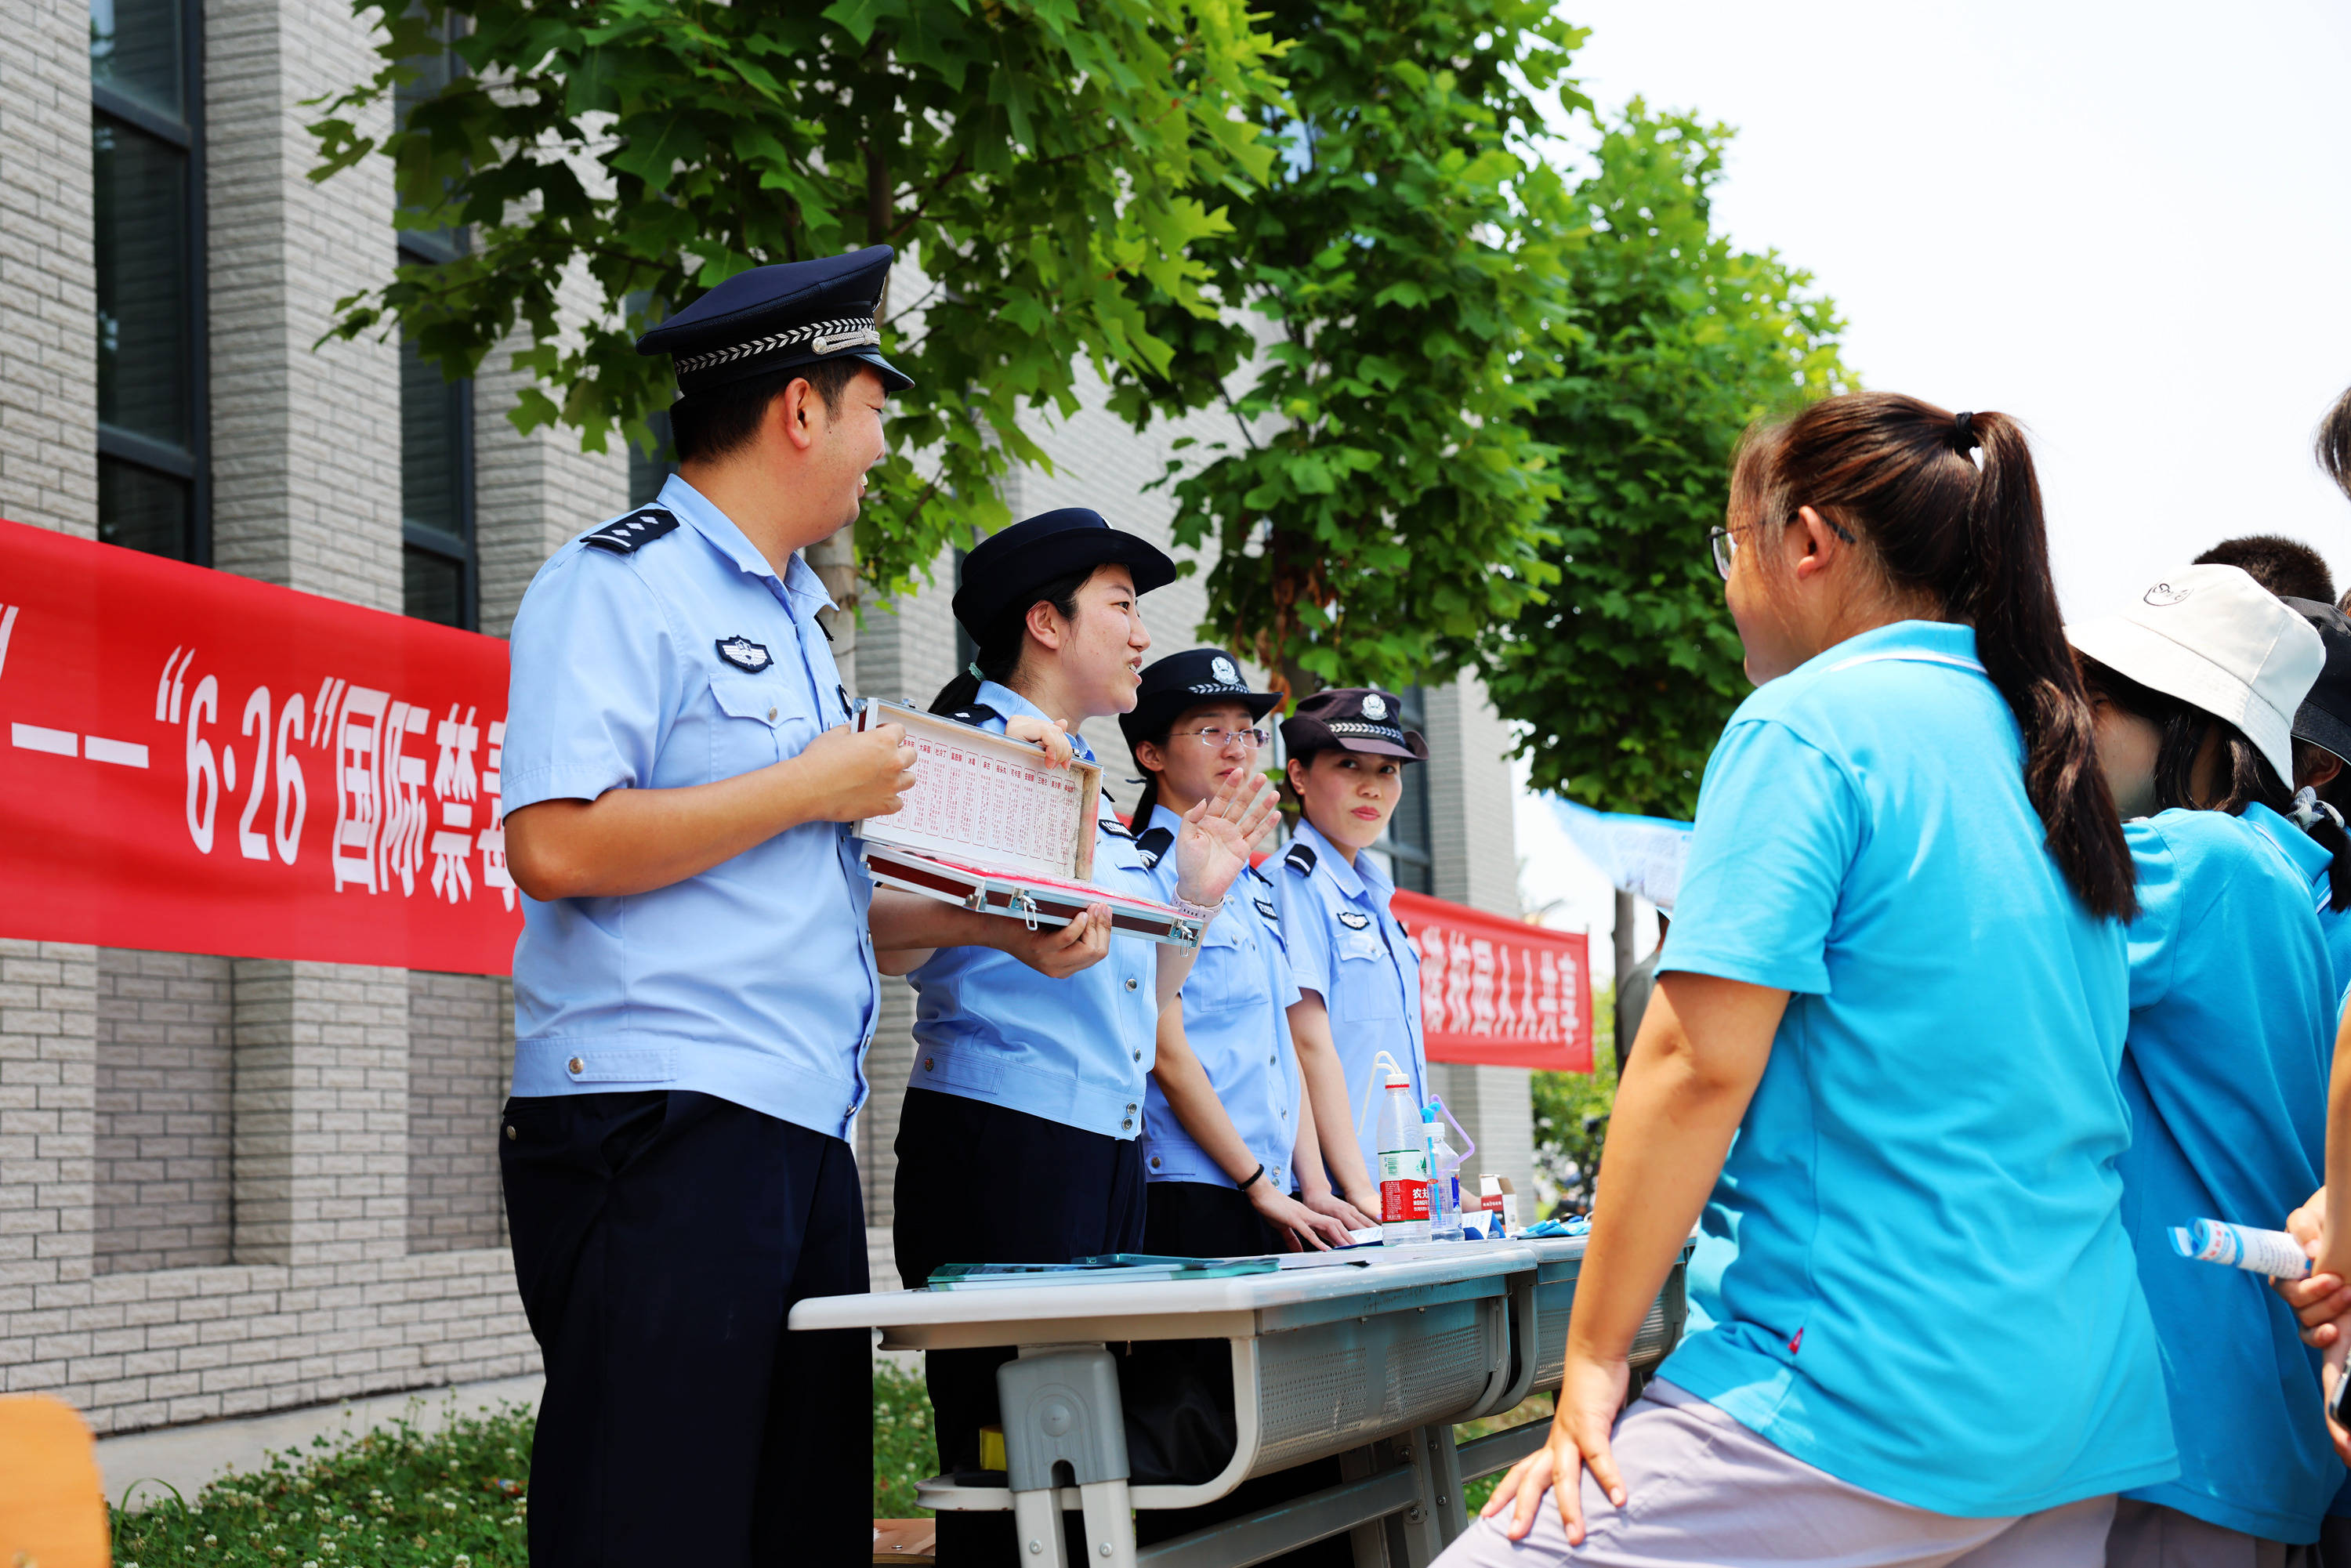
pixel 2271 1252
pixel 1638 855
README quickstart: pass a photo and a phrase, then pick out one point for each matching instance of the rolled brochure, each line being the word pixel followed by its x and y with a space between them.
pixel 2271 1252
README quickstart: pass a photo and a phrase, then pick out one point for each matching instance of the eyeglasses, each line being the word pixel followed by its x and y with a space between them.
pixel 1218 739
pixel 1726 544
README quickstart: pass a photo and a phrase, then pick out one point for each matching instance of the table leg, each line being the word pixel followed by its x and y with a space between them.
pixel 1110 1523
pixel 1423 1535
pixel 1445 1468
pixel 1036 1525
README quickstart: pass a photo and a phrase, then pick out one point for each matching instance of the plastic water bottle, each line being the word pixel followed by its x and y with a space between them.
pixel 1445 1182
pixel 1403 1162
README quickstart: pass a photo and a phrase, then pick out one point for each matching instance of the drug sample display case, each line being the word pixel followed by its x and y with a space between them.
pixel 989 825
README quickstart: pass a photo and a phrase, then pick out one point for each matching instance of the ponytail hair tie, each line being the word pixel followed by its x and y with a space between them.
pixel 1963 434
pixel 2308 809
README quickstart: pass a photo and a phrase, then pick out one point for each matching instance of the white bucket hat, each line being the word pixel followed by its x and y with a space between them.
pixel 2212 637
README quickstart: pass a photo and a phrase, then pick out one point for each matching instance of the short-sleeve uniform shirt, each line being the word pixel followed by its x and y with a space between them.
pixel 1913 1272
pixel 2232 1036
pixel 1347 947
pixel 1236 1021
pixel 683 660
pixel 1076 1051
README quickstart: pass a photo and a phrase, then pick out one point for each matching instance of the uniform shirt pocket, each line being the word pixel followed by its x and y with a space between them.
pixel 1365 981
pixel 753 725
pixel 1221 977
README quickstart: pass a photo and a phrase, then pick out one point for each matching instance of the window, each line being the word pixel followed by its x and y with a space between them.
pixel 439 570
pixel 967 650
pixel 1406 844
pixel 146 132
pixel 649 466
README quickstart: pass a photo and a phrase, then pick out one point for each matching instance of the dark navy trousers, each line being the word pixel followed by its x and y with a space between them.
pixel 986 1184
pixel 660 1240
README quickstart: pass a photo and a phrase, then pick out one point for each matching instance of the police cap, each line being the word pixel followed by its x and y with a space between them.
pixel 1003 572
pixel 780 318
pixel 1353 718
pixel 1182 681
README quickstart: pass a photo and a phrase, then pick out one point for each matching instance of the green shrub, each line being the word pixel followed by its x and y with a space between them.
pixel 406 1496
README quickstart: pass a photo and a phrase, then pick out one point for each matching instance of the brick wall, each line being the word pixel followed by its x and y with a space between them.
pixel 163 1083
pixel 48 291
pixel 460 1048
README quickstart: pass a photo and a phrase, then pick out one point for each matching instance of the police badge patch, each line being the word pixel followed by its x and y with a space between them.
pixel 1375 706
pixel 1353 919
pixel 744 654
pixel 1265 907
pixel 1223 669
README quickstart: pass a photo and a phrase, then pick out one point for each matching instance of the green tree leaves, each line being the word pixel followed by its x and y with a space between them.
pixel 1047 164
pixel 1672 342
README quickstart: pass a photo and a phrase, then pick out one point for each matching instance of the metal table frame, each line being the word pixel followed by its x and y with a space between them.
pixel 1491 1318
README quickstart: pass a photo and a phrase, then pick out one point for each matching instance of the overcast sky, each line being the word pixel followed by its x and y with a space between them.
pixel 2129 226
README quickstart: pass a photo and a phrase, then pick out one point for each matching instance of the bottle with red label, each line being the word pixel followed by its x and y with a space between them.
pixel 1403 1161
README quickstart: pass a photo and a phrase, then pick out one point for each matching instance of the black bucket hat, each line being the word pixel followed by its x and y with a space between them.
pixel 1182 681
pixel 1353 718
pixel 1003 571
pixel 2323 719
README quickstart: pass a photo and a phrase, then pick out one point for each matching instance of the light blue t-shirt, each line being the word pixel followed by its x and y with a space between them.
pixel 2232 1034
pixel 1076 1051
pixel 683 660
pixel 1236 1021
pixel 1347 947
pixel 1913 1272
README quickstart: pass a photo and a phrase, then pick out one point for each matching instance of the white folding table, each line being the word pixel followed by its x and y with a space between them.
pixel 1372 1361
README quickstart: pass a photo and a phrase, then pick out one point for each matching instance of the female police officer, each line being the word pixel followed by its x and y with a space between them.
pixel 1357 973
pixel 1227 1135
pixel 1017 1140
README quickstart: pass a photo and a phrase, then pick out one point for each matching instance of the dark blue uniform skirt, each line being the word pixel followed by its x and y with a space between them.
pixel 660 1240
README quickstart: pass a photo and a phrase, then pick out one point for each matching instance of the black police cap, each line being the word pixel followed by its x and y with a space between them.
pixel 1353 718
pixel 780 318
pixel 2325 717
pixel 1182 681
pixel 1003 572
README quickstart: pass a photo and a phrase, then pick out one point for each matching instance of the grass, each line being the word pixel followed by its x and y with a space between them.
pixel 457 1495
pixel 446 1496
pixel 397 1497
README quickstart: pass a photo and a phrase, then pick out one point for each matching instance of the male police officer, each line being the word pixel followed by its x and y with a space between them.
pixel 695 986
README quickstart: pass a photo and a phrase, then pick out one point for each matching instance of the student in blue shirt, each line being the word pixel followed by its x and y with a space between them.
pixel 1018 1142
pixel 1879 1067
pixel 1358 974
pixel 2195 686
pixel 1228 1135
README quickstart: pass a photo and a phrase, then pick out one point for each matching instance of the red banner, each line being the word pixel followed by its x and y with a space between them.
pixel 201 763
pixel 1498 992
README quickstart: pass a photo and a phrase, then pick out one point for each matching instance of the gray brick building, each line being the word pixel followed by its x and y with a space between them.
pixel 233 1185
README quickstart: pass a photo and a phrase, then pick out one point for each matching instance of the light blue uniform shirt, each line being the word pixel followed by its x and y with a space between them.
pixel 753 981
pixel 1347 947
pixel 1077 1051
pixel 1236 1021
pixel 2231 1033
pixel 1913 1272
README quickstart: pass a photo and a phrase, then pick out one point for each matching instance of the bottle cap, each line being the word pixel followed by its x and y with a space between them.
pixel 1428 1113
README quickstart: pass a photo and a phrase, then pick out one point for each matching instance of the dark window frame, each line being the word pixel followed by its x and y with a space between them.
pixel 432 248
pixel 192 467
pixel 1411 863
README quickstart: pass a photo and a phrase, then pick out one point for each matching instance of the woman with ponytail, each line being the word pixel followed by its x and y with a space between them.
pixel 2195 686
pixel 1878 1070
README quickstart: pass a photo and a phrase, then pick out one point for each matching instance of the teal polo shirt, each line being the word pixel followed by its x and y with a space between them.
pixel 2231 1035
pixel 1912 1273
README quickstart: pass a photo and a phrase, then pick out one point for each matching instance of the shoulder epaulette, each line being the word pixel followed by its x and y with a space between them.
pixel 972 714
pixel 1299 858
pixel 636 530
pixel 1153 843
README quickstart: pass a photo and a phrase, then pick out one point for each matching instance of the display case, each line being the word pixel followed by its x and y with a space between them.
pixel 992 825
